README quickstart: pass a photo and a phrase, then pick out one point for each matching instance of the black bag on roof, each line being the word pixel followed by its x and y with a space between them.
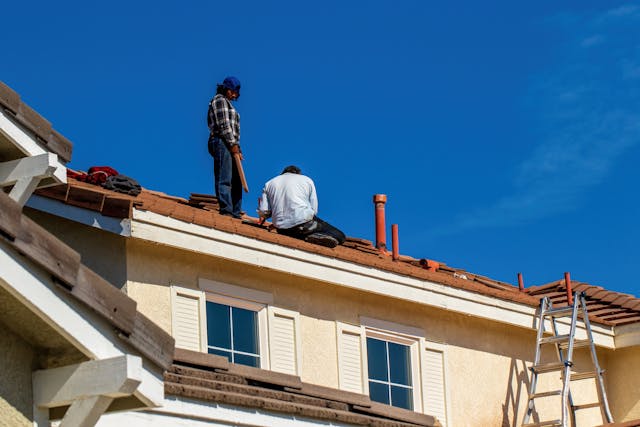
pixel 123 184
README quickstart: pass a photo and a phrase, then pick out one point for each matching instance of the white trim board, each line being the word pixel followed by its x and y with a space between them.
pixel 20 139
pixel 77 323
pixel 192 237
pixel 88 217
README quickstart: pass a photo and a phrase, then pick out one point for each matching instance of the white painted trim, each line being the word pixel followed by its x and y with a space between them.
pixel 272 312
pixel 77 323
pixel 202 315
pixel 234 291
pixel 115 377
pixel 439 347
pixel 345 328
pixel 192 237
pixel 21 139
pixel 396 328
pixel 38 166
pixel 88 217
pixel 627 335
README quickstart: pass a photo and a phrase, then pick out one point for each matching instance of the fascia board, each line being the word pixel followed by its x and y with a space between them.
pixel 83 216
pixel 170 232
pixel 84 329
pixel 627 335
pixel 28 145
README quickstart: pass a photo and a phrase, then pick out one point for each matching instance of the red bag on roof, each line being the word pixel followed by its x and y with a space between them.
pixel 98 174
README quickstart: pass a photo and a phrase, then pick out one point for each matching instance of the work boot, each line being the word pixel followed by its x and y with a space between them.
pixel 322 240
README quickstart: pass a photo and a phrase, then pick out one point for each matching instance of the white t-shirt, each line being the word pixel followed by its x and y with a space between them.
pixel 290 199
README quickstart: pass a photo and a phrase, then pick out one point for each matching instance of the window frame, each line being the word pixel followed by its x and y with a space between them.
pixel 258 308
pixel 413 342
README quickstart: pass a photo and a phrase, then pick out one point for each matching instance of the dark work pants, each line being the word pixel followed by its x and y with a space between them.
pixel 315 226
pixel 227 180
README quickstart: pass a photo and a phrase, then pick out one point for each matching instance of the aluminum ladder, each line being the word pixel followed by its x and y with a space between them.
pixel 565 344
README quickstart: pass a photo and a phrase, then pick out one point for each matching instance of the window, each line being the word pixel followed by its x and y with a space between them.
pixel 232 332
pixel 237 323
pixel 394 364
pixel 390 373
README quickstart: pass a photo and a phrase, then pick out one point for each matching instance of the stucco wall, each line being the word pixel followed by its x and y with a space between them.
pixel 101 251
pixel 623 383
pixel 487 361
pixel 17 360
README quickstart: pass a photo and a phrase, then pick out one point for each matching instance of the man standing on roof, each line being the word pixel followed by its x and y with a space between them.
pixel 291 200
pixel 224 142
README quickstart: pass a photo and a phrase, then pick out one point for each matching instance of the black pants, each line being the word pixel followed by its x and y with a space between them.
pixel 315 226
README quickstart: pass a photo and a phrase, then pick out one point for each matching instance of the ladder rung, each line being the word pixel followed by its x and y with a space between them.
pixel 561 311
pixel 583 375
pixel 554 423
pixel 554 339
pixel 548 367
pixel 576 344
pixel 545 394
pixel 587 405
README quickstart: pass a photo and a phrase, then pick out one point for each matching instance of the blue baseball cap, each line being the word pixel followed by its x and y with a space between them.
pixel 232 83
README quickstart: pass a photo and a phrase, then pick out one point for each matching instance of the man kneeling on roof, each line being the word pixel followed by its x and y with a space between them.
pixel 291 200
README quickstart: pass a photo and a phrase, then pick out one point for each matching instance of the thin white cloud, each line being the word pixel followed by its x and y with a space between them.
pixel 592 117
pixel 624 11
pixel 592 41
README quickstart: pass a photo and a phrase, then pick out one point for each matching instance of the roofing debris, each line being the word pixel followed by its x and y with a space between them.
pixel 607 307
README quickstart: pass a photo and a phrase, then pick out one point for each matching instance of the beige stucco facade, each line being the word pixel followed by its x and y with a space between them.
pixel 17 358
pixel 486 371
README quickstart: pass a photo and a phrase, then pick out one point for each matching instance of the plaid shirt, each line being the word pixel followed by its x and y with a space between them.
pixel 224 120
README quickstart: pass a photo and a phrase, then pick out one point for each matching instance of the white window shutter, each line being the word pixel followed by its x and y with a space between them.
pixel 433 381
pixel 284 341
pixel 350 366
pixel 188 316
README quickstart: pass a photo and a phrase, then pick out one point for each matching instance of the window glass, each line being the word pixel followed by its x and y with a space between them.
pixel 390 373
pixel 218 325
pixel 379 392
pixel 400 361
pixel 377 359
pixel 402 397
pixel 245 330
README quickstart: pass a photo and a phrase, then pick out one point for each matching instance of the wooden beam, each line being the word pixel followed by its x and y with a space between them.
pixel 86 412
pixel 114 377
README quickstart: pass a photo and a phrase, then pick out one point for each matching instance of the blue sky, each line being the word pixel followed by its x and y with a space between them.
pixel 505 134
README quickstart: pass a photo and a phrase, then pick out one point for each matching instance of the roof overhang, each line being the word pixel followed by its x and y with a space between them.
pixel 81 326
pixel 25 164
pixel 191 237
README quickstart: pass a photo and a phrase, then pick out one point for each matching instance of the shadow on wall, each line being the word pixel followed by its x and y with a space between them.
pixel 517 384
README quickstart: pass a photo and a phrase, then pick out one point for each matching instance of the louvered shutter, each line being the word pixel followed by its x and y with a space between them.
pixel 350 366
pixel 284 341
pixel 187 318
pixel 433 382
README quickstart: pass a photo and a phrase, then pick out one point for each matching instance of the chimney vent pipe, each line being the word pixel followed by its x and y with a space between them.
pixel 520 282
pixel 379 201
pixel 567 282
pixel 395 245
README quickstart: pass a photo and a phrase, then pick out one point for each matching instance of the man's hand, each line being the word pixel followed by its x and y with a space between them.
pixel 235 149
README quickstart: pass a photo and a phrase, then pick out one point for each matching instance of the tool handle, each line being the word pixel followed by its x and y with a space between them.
pixel 243 179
